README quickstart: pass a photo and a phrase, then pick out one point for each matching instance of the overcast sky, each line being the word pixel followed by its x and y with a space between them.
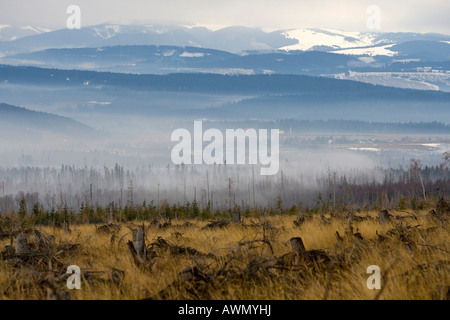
pixel 350 15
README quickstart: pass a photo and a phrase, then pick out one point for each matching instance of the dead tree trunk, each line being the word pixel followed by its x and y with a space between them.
pixel 66 227
pixel 111 213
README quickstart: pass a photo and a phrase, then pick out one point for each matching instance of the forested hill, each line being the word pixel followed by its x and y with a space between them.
pixel 13 117
pixel 214 83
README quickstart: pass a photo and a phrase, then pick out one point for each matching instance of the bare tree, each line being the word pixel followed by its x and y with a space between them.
pixel 446 157
pixel 416 171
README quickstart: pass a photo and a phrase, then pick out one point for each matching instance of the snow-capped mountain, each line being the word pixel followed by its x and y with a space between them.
pixel 231 39
pixel 10 33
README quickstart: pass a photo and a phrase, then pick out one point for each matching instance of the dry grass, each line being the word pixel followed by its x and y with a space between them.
pixel 414 262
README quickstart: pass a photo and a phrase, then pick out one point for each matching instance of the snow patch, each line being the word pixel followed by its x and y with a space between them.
pixel 433 145
pixel 192 54
pixel 87 65
pixel 309 38
pixel 222 71
pixel 365 149
pixel 102 103
pixel 169 53
pixel 367 59
pixel 212 27
pixel 107 32
pixel 371 51
pixel 35 29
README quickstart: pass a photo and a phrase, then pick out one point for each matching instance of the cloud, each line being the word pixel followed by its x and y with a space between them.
pixel 411 15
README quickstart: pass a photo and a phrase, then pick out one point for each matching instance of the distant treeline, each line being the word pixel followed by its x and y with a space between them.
pixel 337 126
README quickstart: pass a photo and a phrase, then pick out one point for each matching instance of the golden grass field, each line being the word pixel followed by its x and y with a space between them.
pixel 414 260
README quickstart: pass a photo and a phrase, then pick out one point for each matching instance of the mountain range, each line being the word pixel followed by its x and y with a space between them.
pixel 405 60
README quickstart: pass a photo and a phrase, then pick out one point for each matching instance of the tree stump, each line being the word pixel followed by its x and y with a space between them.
pixel 139 244
pixel 21 244
pixel 236 217
pixel 297 245
pixel 384 216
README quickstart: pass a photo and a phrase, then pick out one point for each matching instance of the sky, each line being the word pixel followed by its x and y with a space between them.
pixel 348 15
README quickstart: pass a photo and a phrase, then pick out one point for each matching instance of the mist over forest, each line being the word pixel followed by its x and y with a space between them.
pixel 90 126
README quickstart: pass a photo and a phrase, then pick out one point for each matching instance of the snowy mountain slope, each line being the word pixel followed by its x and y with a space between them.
pixel 407 80
pixel 233 39
pixel 311 39
pixel 336 40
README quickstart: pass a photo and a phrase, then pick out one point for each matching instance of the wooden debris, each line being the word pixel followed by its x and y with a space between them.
pixel 358 236
pixel 117 276
pixel 164 225
pixel 351 217
pixel 325 219
pixel 165 245
pixel 432 214
pixel 108 228
pixel 300 219
pixel 190 273
pixel 338 236
pixel 381 238
pixel 222 223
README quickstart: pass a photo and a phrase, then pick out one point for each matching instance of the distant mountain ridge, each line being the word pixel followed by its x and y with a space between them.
pixel 232 39
pixel 19 118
